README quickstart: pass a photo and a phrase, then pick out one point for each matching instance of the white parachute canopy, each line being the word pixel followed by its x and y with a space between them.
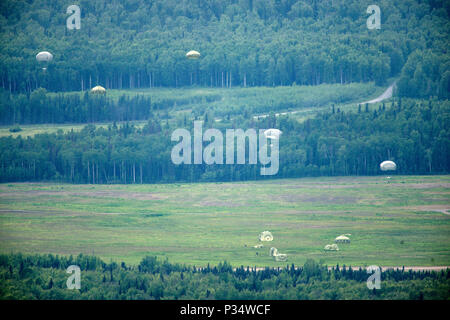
pixel 98 90
pixel 388 166
pixel 265 236
pixel 44 56
pixel 273 133
pixel 331 247
pixel 193 54
pixel 342 239
pixel 278 256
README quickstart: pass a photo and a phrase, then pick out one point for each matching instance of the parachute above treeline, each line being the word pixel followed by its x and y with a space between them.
pixel 388 166
pixel 193 54
pixel 98 90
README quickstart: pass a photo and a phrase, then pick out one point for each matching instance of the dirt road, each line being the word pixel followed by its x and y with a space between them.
pixel 385 95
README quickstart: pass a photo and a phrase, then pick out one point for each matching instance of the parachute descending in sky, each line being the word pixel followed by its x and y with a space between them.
pixel 193 54
pixel 388 166
pixel 44 57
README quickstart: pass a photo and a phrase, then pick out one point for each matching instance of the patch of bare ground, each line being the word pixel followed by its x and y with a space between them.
pixel 328 199
pixel 427 185
pixel 54 213
pixel 323 186
pixel 437 192
pixel 300 226
pixel 436 207
pixel 227 204
pixel 119 194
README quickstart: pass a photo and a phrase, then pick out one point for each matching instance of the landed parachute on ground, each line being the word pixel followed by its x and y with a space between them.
pixel 98 90
pixel 278 256
pixel 388 166
pixel 193 54
pixel 265 236
pixel 273 133
pixel 331 247
pixel 342 239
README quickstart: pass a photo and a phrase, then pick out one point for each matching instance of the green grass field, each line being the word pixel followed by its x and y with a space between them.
pixel 304 101
pixel 405 222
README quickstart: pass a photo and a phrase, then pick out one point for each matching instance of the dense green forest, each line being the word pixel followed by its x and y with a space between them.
pixel 137 43
pixel 45 107
pixel 44 277
pixel 413 133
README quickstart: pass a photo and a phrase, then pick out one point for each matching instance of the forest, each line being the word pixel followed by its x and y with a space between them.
pixel 414 133
pixel 44 277
pixel 141 44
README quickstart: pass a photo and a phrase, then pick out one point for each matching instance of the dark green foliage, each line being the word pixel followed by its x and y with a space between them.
pixel 156 279
pixel 41 107
pixel 15 129
pixel 134 44
pixel 413 133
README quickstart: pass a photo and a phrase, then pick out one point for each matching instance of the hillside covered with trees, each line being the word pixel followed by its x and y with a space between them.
pixel 44 277
pixel 142 44
pixel 414 133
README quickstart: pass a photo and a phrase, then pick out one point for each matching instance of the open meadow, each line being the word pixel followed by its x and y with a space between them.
pixel 404 222
pixel 173 104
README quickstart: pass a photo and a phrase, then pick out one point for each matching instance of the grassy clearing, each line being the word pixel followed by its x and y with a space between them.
pixel 305 101
pixel 391 224
pixel 33 129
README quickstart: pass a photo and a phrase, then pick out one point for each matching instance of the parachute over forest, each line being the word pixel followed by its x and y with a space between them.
pixel 193 54
pixel 44 56
pixel 98 90
pixel 273 133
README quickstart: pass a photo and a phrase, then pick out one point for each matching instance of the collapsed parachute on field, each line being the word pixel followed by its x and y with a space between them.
pixel 98 90
pixel 388 166
pixel 265 236
pixel 342 239
pixel 331 247
pixel 193 54
pixel 278 256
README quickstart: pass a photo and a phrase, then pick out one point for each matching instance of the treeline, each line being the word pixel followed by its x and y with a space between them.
pixel 413 133
pixel 44 277
pixel 135 44
pixel 42 107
